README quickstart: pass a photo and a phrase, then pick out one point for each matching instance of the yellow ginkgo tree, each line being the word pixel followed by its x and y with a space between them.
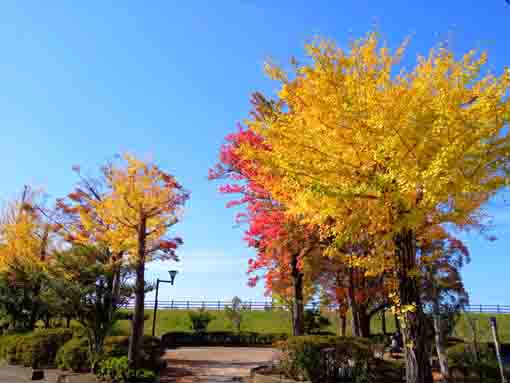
pixel 370 149
pixel 131 216
pixel 27 240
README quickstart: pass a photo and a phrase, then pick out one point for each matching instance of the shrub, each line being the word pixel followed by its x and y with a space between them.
pixel 200 320
pixel 325 358
pixel 235 313
pixel 8 345
pixel 35 349
pixel 117 346
pixel 214 338
pixel 462 357
pixel 314 322
pixel 74 355
pixel 116 370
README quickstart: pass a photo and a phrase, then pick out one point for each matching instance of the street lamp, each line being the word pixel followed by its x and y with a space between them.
pixel 172 273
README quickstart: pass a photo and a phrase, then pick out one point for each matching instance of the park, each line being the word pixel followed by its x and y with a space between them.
pixel 357 196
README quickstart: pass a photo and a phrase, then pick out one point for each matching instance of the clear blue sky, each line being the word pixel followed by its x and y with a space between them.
pixel 81 81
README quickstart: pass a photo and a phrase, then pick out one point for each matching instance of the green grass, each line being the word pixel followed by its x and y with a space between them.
pixel 178 320
pixel 279 322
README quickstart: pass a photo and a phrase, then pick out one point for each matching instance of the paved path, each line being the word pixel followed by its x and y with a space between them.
pixel 10 374
pixel 214 364
pixel 19 374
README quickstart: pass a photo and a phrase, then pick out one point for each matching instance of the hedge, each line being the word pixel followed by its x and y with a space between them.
pixel 326 358
pixel 74 355
pixel 35 349
pixel 220 338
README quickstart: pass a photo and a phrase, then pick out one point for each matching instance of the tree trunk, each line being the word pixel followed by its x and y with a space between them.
pixel 383 321
pixel 342 324
pixel 135 342
pixel 34 312
pixel 440 343
pixel 397 324
pixel 418 369
pixel 298 304
pixel 116 281
pixel 355 323
pixel 364 322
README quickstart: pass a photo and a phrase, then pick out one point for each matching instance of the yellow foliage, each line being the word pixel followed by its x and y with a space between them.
pixel 24 235
pixel 366 148
pixel 141 200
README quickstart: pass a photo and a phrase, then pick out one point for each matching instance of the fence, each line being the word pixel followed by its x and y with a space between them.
pixel 269 306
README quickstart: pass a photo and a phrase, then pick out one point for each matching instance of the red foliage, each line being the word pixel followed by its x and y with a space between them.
pixel 268 225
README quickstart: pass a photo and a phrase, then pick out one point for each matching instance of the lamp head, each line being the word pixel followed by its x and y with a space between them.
pixel 172 273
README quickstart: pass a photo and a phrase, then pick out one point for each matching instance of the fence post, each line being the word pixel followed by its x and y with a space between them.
pixel 498 309
pixel 219 306
pixel 481 308
pixel 250 305
pixel 187 304
pixel 172 304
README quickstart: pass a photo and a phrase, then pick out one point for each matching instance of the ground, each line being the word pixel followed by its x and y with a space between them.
pixel 186 365
pixel 18 374
pixel 214 364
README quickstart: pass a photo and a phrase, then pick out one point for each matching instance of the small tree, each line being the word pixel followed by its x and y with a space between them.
pixel 314 322
pixel 200 319
pixel 82 284
pixel 235 313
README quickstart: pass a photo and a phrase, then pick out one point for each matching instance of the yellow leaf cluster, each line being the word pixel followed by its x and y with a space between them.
pixel 360 141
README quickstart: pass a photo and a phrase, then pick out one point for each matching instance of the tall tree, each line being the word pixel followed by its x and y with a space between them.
pixel 280 240
pixel 383 150
pixel 132 217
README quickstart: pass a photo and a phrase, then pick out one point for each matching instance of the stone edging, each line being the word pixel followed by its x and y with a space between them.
pixel 255 377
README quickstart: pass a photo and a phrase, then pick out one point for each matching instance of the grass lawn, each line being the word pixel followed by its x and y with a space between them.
pixel 278 321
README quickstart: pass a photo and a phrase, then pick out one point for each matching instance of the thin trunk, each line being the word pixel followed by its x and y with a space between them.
pixel 116 283
pixel 135 341
pixel 34 312
pixel 397 324
pixel 298 304
pixel 440 342
pixel 418 369
pixel 353 305
pixel 383 321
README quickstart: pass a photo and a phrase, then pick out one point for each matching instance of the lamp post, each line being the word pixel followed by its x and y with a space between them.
pixel 172 273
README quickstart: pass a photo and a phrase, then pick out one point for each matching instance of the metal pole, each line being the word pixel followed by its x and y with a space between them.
pixel 496 345
pixel 155 309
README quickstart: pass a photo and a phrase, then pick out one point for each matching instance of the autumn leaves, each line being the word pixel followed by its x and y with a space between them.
pixel 374 157
pixel 127 211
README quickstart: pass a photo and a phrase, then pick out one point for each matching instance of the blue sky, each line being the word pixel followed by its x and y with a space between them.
pixel 81 81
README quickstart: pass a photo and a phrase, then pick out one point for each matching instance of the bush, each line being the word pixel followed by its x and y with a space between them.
pixel 200 320
pixel 35 349
pixel 116 370
pixel 220 338
pixel 462 357
pixel 74 355
pixel 117 346
pixel 314 322
pixel 326 358
pixel 8 345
